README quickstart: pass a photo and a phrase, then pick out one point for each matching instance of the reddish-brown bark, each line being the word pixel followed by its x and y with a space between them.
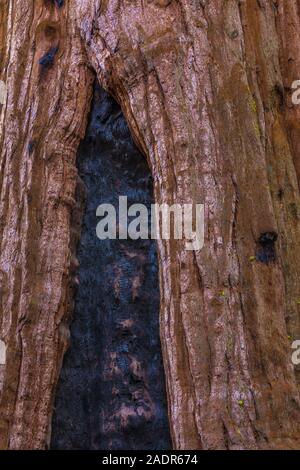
pixel 203 85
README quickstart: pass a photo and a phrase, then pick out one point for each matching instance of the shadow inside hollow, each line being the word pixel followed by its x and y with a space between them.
pixel 111 392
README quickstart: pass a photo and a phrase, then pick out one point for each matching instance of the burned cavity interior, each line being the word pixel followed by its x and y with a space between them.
pixel 266 249
pixel 111 392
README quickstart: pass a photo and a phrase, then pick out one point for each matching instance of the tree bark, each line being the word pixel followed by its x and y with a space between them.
pixel 205 88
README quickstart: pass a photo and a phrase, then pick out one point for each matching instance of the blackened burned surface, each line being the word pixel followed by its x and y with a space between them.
pixel 266 252
pixel 48 59
pixel 111 393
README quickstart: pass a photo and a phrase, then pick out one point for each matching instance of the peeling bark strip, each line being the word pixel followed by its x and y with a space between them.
pixel 37 203
pixel 198 83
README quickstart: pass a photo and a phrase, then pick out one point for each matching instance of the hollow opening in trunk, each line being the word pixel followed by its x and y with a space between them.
pixel 111 392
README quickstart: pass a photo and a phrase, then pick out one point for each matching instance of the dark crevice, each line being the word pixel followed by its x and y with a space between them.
pixel 111 392
pixel 266 250
pixel 48 58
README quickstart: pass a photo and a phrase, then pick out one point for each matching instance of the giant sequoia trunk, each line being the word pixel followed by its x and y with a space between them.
pixel 205 89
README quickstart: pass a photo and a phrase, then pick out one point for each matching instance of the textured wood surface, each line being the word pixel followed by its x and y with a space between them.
pixel 205 88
